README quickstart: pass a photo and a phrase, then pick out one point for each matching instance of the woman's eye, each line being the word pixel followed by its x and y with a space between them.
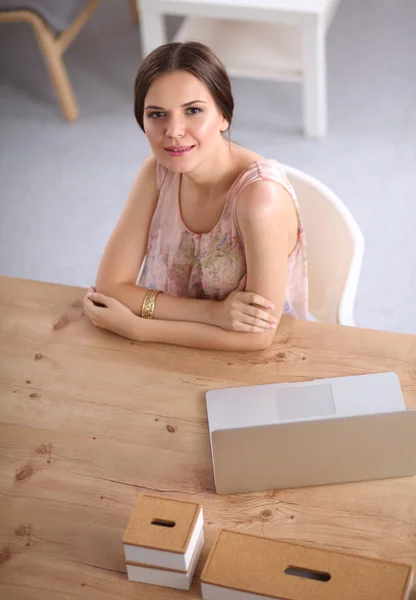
pixel 156 115
pixel 193 110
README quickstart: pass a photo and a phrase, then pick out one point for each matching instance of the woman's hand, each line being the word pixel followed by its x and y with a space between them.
pixel 108 313
pixel 244 311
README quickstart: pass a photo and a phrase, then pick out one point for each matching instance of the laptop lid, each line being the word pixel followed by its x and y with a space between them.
pixel 315 452
pixel 284 435
pixel 321 398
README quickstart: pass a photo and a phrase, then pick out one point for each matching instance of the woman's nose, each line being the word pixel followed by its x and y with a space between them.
pixel 175 128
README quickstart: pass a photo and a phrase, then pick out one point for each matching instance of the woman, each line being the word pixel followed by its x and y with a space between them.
pixel 217 224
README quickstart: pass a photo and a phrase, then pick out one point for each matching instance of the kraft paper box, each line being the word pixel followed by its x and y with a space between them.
pixel 163 541
pixel 247 567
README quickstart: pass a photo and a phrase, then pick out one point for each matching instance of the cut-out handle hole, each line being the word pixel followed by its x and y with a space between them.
pixel 308 574
pixel 163 523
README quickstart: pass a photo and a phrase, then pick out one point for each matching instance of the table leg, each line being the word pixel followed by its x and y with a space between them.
pixel 152 27
pixel 314 88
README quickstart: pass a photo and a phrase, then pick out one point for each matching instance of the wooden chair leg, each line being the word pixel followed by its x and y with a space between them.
pixel 52 47
pixel 57 71
pixel 134 10
pixel 66 38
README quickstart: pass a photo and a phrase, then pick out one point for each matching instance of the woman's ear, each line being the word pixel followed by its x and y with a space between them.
pixel 224 125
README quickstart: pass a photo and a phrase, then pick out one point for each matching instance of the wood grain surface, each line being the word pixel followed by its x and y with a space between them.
pixel 88 420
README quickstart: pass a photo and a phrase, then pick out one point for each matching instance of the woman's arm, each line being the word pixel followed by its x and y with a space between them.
pixel 268 223
pixel 124 254
pixel 198 335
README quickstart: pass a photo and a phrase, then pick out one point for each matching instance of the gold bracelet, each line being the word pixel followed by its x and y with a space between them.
pixel 148 305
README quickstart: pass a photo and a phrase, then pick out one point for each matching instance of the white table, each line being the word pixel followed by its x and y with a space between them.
pixel 273 39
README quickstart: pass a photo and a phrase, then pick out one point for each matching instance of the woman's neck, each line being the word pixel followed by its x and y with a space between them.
pixel 214 177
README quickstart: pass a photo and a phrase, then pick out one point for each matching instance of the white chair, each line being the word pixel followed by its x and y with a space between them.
pixel 335 249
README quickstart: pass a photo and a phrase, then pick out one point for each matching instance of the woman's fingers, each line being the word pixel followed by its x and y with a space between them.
pixel 258 314
pixel 98 299
pixel 253 298
pixel 253 328
pixel 93 299
pixel 259 323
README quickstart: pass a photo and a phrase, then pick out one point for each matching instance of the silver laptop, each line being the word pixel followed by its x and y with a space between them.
pixel 311 433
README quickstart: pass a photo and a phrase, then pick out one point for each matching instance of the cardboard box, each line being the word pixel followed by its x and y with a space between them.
pixel 247 567
pixel 163 541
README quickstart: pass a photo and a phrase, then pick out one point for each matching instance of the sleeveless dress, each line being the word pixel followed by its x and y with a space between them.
pixel 210 265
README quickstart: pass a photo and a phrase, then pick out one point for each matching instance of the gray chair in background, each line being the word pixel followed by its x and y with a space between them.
pixel 55 24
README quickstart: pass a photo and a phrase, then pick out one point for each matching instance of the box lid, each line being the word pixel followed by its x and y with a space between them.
pixel 255 564
pixel 162 523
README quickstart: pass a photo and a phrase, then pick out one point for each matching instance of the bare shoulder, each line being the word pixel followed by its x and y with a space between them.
pixel 264 199
pixel 148 167
pixel 145 181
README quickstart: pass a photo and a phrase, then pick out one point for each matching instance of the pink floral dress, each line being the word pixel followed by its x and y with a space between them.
pixel 210 265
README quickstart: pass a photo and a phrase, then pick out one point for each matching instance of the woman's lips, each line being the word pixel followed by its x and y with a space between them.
pixel 179 150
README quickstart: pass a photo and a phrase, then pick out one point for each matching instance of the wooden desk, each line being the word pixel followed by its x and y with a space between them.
pixel 89 420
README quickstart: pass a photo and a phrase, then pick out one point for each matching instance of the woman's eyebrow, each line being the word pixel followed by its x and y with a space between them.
pixel 193 102
pixel 154 107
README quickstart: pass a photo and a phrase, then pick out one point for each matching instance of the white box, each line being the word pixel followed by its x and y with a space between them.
pixel 167 577
pixel 163 541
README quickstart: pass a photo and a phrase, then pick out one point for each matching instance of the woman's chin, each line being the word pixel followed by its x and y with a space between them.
pixel 178 165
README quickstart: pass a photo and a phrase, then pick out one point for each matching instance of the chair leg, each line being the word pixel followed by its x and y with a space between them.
pixel 134 10
pixel 57 71
pixel 65 39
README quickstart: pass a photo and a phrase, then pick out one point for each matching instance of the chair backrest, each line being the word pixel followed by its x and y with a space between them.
pixel 335 249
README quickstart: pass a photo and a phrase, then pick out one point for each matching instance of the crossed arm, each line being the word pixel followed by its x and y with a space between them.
pixel 265 216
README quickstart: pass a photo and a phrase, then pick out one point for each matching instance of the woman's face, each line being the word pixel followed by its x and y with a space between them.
pixel 182 121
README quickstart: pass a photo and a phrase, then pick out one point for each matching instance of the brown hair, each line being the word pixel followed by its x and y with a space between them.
pixel 193 57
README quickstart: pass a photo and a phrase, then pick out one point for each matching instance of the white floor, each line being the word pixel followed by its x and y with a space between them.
pixel 62 186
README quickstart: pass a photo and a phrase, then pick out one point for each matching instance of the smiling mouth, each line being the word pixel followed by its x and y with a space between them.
pixel 179 149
